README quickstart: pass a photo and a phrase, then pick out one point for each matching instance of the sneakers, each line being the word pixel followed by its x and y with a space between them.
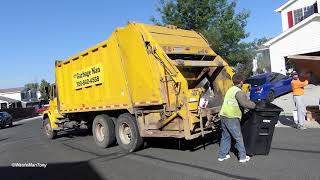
pixel 244 160
pixel 296 126
pixel 302 128
pixel 225 158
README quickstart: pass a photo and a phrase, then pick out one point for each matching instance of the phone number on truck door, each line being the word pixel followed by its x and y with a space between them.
pixel 88 77
pixel 88 81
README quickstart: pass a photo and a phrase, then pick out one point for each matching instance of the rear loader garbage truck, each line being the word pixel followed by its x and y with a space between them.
pixel 144 81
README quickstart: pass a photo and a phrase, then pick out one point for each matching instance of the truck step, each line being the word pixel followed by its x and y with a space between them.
pixel 62 121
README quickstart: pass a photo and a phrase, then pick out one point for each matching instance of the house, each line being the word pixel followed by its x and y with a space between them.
pixel 300 35
pixel 261 62
pixel 18 97
pixel 9 103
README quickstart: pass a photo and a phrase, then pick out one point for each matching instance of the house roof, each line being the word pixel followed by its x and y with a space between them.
pixel 285 5
pixel 314 17
pixel 9 100
pixel 18 89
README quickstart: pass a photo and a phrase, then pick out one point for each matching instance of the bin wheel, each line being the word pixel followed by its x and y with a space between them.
pixel 271 96
pixel 127 133
pixel 103 131
pixel 51 134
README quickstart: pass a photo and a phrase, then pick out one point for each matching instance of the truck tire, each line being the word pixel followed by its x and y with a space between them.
pixel 127 133
pixel 51 134
pixel 103 131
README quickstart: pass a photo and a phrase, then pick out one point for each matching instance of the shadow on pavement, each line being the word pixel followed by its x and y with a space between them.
pixel 83 170
pixel 73 133
pixel 182 144
pixel 13 126
pixel 286 120
pixel 3 139
pixel 197 167
pixel 296 150
pixel 77 170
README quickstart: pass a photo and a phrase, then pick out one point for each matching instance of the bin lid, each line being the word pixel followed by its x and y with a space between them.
pixel 267 107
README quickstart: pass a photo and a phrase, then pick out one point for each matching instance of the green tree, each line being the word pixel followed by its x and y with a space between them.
pixel 216 20
pixel 34 86
pixel 250 49
pixel 44 95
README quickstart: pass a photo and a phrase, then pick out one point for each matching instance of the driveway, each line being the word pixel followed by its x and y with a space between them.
pixel 311 98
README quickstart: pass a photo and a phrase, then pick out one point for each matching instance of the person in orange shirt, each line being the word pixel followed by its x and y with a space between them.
pixel 298 91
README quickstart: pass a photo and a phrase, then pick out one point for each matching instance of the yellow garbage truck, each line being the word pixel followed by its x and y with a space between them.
pixel 143 81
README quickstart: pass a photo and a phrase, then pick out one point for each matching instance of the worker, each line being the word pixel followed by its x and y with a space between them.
pixel 230 114
pixel 298 85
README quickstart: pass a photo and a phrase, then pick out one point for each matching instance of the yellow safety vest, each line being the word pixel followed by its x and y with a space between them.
pixel 230 107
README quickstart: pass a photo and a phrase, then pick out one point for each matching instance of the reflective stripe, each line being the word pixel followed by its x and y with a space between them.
pixel 146 102
pixel 94 108
pixel 230 107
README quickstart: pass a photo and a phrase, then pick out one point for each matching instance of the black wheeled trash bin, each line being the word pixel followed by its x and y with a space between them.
pixel 257 128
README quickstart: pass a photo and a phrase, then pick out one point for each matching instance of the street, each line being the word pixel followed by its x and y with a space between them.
pixel 294 155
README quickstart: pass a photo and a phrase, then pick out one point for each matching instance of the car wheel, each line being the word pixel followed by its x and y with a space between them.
pixel 11 123
pixel 3 126
pixel 51 134
pixel 127 133
pixel 103 131
pixel 271 96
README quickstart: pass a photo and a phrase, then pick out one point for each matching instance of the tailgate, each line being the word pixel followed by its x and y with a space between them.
pixel 179 41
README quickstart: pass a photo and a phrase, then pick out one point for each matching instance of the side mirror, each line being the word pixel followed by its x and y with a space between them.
pixel 46 90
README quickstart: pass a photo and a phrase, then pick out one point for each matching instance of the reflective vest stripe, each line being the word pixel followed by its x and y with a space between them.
pixel 230 107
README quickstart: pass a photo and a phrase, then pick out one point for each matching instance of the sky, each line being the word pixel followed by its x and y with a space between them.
pixel 35 33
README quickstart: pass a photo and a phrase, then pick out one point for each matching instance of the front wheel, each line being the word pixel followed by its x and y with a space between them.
pixel 11 123
pixel 51 134
pixel 127 133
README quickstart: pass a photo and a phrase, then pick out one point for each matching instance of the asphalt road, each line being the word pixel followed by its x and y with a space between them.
pixel 294 155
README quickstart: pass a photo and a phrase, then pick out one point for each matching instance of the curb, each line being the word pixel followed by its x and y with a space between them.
pixel 27 119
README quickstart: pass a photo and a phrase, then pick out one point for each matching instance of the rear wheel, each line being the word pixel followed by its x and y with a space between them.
pixel 127 133
pixel 103 131
pixel 11 123
pixel 51 134
pixel 271 96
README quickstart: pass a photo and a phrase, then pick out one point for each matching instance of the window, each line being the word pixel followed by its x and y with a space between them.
pixel 255 81
pixel 308 11
pixel 3 105
pixel 298 16
pixel 278 77
pixel 303 13
pixel 24 95
pixel 33 94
